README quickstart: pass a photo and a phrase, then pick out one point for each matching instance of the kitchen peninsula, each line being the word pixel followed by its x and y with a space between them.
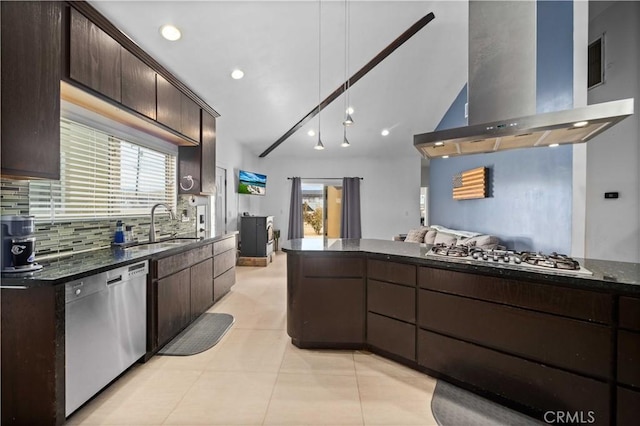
pixel 537 341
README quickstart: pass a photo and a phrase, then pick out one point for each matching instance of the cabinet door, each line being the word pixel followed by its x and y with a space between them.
pixel 138 85
pixel 174 304
pixel 223 283
pixel 31 58
pixel 94 57
pixel 201 287
pixel 190 118
pixel 199 162
pixel 208 161
pixel 169 108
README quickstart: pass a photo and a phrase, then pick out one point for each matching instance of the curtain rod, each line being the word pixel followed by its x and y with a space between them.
pixel 308 178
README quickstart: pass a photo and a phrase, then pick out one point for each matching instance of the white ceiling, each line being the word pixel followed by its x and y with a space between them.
pixel 276 44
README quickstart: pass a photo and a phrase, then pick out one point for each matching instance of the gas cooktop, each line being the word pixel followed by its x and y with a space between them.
pixel 553 262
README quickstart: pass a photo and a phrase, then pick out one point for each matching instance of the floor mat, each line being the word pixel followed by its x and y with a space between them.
pixel 201 335
pixel 453 406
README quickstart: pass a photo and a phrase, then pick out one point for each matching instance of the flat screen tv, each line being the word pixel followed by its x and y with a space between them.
pixel 252 183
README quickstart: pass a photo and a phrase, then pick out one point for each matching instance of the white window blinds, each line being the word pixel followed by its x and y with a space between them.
pixel 103 176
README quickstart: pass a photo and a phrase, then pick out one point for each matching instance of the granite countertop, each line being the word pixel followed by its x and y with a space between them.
pixel 76 266
pixel 607 275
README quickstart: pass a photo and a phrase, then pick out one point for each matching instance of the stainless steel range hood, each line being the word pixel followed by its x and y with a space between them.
pixel 503 83
pixel 559 127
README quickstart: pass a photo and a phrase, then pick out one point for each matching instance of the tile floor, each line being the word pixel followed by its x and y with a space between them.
pixel 255 376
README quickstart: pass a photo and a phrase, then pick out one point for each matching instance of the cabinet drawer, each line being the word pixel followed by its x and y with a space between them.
pixel 531 384
pixel 392 300
pixel 629 358
pixel 201 253
pixel 224 245
pixel 630 313
pixel 569 302
pixel 223 262
pixel 171 264
pixel 393 272
pixel 223 283
pixel 553 340
pixel 333 266
pixel 628 403
pixel 391 336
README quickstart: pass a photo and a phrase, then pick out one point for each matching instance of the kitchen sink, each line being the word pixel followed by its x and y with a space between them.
pixel 161 244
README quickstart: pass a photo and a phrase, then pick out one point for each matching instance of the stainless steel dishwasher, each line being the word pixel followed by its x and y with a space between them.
pixel 105 329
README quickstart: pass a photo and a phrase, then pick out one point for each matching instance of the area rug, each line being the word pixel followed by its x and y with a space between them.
pixel 453 406
pixel 201 335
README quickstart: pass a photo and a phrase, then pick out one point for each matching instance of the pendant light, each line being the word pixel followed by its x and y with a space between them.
pixel 348 121
pixel 319 144
pixel 345 142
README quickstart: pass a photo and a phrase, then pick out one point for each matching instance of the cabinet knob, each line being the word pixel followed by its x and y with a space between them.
pixel 78 291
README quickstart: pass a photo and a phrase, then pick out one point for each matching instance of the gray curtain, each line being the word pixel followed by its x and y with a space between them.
pixel 350 225
pixel 296 228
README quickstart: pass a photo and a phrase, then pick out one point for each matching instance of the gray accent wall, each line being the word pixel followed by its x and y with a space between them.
pixel 613 158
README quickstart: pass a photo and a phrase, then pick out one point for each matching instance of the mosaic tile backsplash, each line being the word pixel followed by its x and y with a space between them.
pixel 59 238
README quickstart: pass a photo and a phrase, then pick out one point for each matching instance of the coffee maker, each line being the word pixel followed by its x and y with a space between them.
pixel 18 244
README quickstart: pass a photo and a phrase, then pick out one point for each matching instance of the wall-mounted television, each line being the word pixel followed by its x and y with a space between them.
pixel 252 183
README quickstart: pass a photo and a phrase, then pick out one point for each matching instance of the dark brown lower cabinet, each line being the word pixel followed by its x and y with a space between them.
pixel 201 287
pixel 534 386
pixel 334 310
pixel 628 406
pixel 392 336
pixel 223 283
pixel 174 304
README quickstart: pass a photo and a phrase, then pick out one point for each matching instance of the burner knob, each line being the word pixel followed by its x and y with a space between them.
pixel 495 257
pixel 517 260
pixel 485 257
pixel 506 259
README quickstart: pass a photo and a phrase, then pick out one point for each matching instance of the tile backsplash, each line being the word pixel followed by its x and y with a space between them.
pixel 81 235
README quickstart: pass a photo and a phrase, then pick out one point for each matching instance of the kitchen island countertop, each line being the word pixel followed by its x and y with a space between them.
pixel 76 266
pixel 607 275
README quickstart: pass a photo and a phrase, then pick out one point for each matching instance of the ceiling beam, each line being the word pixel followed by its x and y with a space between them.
pixel 410 32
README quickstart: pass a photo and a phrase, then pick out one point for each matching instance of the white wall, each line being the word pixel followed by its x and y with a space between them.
pixel 390 191
pixel 233 156
pixel 613 158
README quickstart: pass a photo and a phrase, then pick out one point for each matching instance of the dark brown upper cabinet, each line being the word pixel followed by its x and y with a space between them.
pixel 190 119
pixel 31 63
pixel 94 57
pixel 138 85
pixel 199 162
pixel 169 110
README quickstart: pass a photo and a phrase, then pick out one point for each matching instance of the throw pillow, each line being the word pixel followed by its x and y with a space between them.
pixel 416 235
pixel 430 236
pixel 443 238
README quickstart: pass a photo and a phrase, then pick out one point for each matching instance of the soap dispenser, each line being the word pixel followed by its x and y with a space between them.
pixel 119 236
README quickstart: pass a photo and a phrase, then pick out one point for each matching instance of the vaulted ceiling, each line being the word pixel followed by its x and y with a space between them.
pixel 276 44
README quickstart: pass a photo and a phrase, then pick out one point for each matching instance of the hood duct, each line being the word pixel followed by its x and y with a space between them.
pixel 502 83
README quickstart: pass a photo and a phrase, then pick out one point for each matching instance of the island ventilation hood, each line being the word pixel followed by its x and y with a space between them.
pixel 506 44
pixel 548 129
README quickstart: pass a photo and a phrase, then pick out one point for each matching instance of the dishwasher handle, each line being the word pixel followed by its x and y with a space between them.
pixel 114 280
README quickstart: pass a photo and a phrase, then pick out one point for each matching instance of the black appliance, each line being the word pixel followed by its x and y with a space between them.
pixel 18 244
pixel 256 236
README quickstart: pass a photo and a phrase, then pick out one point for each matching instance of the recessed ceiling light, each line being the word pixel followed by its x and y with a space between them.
pixel 384 132
pixel 349 110
pixel 580 124
pixel 170 32
pixel 311 132
pixel 237 74
pixel 445 156
pixel 553 145
pixel 439 143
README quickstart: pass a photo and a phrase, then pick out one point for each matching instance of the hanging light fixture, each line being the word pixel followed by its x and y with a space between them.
pixel 345 142
pixel 319 144
pixel 348 121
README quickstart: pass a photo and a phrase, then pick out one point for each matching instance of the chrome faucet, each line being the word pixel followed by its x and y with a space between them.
pixel 152 229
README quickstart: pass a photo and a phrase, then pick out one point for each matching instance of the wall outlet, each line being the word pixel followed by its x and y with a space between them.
pixel 185 216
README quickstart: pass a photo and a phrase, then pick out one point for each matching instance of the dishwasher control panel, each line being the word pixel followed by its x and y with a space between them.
pixel 87 286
